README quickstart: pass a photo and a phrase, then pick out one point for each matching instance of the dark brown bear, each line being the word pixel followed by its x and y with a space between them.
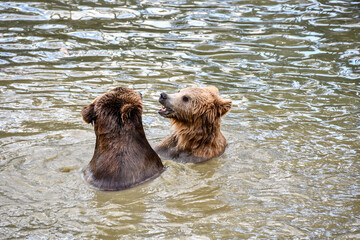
pixel 123 158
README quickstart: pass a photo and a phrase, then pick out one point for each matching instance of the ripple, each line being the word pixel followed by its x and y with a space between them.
pixel 19 17
pixel 50 26
pixel 157 24
pixel 161 11
pixel 24 59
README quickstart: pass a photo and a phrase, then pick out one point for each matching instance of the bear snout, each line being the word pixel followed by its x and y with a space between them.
pixel 163 97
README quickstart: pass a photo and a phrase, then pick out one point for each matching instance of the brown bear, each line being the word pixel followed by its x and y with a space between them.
pixel 195 113
pixel 123 157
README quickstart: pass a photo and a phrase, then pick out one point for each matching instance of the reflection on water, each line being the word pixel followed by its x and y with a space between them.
pixel 291 68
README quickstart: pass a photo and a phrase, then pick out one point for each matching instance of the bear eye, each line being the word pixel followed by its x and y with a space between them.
pixel 185 98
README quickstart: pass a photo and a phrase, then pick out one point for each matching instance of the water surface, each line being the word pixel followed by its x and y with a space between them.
pixel 291 68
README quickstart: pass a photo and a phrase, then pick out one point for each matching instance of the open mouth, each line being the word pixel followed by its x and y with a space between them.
pixel 165 111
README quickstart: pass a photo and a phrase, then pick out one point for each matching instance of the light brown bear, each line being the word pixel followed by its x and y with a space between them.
pixel 123 157
pixel 195 113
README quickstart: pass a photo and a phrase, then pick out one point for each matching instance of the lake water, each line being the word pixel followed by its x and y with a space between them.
pixel 291 68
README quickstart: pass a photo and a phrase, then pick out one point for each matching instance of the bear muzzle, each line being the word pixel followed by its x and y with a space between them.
pixel 166 109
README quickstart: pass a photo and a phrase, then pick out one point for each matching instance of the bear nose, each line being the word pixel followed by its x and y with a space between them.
pixel 163 96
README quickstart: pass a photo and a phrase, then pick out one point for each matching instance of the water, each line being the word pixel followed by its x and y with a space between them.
pixel 291 170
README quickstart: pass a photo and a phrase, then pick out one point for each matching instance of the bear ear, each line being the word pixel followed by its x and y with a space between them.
pixel 213 90
pixel 125 111
pixel 88 113
pixel 128 111
pixel 224 106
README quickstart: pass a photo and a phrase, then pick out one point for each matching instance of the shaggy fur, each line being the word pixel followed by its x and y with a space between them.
pixel 195 114
pixel 123 157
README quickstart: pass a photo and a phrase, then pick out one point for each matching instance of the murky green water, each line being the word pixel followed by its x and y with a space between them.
pixel 292 69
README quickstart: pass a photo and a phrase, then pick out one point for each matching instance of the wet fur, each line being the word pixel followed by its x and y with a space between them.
pixel 123 158
pixel 196 136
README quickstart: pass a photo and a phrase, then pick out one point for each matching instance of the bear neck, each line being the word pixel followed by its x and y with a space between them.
pixel 108 139
pixel 199 139
pixel 122 158
pixel 197 126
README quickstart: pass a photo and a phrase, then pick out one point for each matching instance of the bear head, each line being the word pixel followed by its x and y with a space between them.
pixel 118 107
pixel 193 104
